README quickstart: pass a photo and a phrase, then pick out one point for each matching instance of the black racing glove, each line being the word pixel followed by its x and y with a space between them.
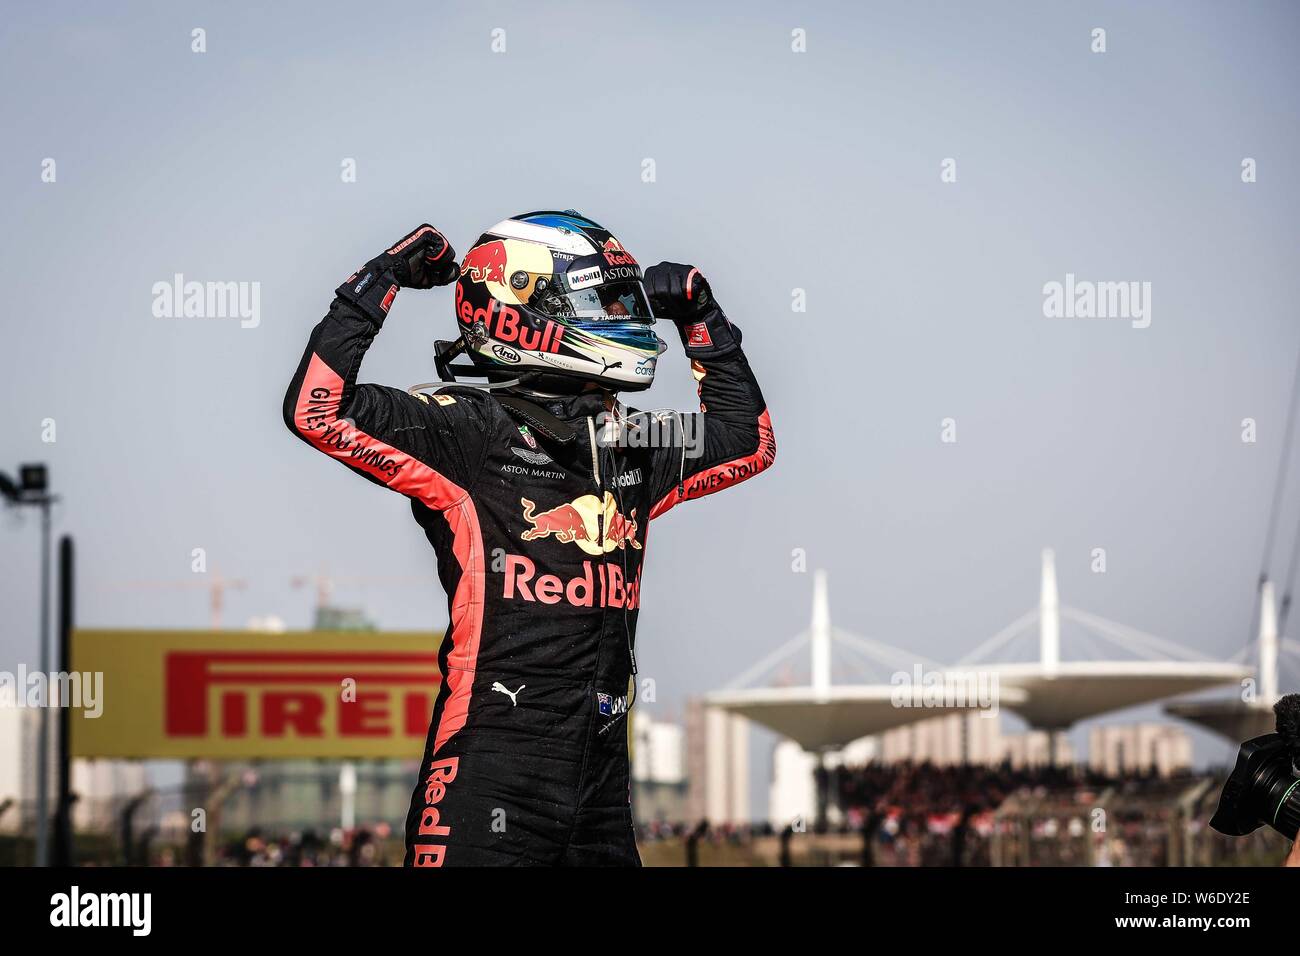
pixel 420 260
pixel 680 293
pixel 676 291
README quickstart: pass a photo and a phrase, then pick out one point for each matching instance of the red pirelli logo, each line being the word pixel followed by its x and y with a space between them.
pixel 299 694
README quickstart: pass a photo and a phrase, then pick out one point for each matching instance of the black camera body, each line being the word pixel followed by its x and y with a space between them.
pixel 1264 787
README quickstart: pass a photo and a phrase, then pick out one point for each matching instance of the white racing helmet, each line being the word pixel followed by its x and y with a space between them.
pixel 553 297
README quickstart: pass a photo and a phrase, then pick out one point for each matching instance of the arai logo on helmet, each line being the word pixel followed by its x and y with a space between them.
pixel 505 353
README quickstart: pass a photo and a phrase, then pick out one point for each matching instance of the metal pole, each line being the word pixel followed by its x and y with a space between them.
pixel 43 749
pixel 823 793
pixel 348 795
pixel 63 852
pixel 1049 615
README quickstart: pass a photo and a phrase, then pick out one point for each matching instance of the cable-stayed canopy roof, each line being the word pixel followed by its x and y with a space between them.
pixel 1052 691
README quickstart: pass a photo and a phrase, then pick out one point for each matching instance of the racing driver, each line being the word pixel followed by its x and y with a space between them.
pixel 536 491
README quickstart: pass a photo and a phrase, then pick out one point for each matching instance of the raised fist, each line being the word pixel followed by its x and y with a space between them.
pixel 677 291
pixel 421 260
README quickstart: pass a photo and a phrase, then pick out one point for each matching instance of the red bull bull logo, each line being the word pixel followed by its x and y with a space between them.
pixel 563 521
pixel 594 525
pixel 486 263
pixel 615 254
pixel 620 531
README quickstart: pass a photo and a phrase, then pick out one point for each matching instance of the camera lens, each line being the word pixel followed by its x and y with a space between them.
pixel 1276 795
pixel 1263 790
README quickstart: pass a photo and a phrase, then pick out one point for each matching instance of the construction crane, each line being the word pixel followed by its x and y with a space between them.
pixel 214 582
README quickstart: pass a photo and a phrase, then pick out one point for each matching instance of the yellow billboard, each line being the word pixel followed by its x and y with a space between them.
pixel 245 694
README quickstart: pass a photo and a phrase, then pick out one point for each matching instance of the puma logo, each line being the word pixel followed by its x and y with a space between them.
pixel 609 365
pixel 498 686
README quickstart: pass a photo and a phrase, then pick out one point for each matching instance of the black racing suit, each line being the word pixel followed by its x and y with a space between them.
pixel 539 527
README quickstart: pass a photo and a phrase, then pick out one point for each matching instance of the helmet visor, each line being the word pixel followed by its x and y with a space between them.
pixel 610 302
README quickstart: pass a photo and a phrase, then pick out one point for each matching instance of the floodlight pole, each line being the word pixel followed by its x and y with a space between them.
pixel 821 638
pixel 43 748
pixel 1049 616
pixel 32 488
pixel 63 850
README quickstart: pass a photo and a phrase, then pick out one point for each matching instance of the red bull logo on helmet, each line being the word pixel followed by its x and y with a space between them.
pixel 615 254
pixel 508 324
pixel 596 527
pixel 486 263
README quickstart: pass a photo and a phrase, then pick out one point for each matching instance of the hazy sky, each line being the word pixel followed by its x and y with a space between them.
pixel 775 171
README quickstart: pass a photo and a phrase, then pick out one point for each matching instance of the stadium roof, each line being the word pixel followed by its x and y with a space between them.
pixel 844 714
pixel 1076 690
pixel 1240 720
pixel 1234 719
pixel 1049 693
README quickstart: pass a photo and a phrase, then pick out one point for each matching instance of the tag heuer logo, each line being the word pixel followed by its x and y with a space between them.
pixel 529 440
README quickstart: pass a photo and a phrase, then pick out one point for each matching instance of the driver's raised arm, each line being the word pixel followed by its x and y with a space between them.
pixel 730 439
pixel 382 433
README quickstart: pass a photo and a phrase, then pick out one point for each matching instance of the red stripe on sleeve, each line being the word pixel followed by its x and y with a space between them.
pixel 725 474
pixel 316 416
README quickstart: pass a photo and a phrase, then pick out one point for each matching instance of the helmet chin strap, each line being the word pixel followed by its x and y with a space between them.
pixel 444 352
pixel 485 386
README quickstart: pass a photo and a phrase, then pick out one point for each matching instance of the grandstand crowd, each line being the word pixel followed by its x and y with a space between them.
pixel 922 814
pixel 897 814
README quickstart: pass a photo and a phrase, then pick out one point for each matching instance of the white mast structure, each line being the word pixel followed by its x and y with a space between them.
pixel 1049 615
pixel 1267 646
pixel 820 633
